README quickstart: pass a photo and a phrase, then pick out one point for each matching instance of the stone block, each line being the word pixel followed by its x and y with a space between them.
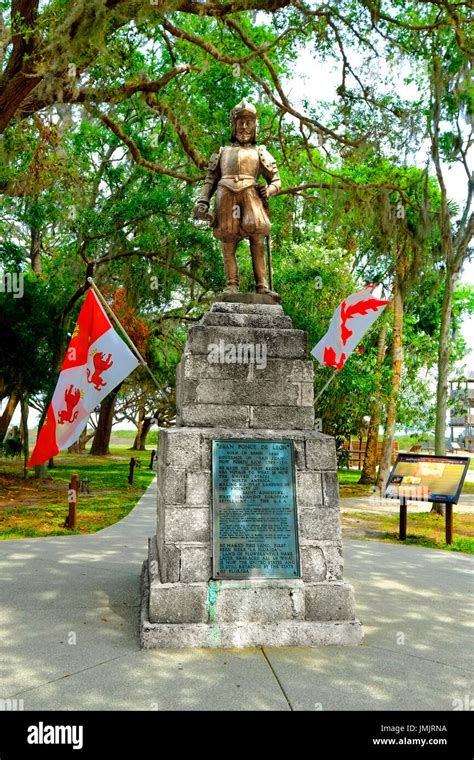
pixel 308 489
pixel 183 449
pixel 172 485
pixel 187 524
pixel 319 524
pixel 332 552
pixel 321 453
pixel 196 367
pixel 307 394
pixel 255 392
pixel 179 386
pixel 282 417
pixel 224 307
pixel 330 489
pixel 300 462
pixel 160 555
pixel 161 452
pixel 160 504
pixel 213 415
pixel 257 604
pixel 283 344
pixel 313 562
pixel 334 560
pixel 286 633
pixel 171 563
pixel 152 565
pixel 247 320
pixel 206 451
pixel 198 488
pixel 178 603
pixel 329 601
pixel 195 563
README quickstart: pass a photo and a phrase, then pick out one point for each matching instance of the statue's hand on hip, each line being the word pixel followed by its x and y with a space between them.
pixel 262 190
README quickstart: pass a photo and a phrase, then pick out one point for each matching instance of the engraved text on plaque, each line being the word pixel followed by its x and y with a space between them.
pixel 254 509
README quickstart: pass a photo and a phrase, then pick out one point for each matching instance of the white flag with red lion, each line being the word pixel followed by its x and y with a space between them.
pixel 96 361
pixel 349 323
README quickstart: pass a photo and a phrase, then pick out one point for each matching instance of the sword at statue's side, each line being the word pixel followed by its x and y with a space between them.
pixel 269 248
pixel 269 262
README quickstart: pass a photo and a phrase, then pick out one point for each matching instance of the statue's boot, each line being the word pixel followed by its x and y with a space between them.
pixel 230 267
pixel 257 248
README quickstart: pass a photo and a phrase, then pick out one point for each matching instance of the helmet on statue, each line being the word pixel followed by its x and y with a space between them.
pixel 244 109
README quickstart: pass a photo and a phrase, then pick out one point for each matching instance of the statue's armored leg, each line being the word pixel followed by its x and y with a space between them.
pixel 257 248
pixel 230 266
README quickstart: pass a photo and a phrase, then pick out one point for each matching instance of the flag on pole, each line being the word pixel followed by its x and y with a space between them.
pixel 96 361
pixel 349 323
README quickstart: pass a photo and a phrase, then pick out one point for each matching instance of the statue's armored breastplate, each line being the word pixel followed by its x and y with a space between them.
pixel 240 167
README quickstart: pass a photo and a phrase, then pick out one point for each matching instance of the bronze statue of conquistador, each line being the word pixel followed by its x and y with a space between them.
pixel 241 208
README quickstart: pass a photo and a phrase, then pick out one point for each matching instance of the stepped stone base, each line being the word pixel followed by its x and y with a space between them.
pixel 182 605
pixel 247 298
pixel 243 633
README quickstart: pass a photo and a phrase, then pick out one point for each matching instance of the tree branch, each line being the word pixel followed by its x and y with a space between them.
pixel 168 112
pixel 136 154
pixel 153 255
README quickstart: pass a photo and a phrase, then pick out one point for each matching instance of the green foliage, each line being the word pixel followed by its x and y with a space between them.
pixel 366 212
pixel 29 336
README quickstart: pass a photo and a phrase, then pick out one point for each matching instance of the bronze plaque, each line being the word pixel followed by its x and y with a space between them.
pixel 254 509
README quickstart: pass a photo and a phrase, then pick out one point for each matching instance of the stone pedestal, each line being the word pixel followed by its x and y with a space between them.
pixel 270 398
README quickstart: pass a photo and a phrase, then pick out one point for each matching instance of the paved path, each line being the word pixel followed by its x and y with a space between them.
pixel 414 604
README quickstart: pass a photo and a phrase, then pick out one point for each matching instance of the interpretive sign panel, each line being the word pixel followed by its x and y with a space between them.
pixel 254 509
pixel 423 477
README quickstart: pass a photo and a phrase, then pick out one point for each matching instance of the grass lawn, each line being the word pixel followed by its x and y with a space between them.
pixel 349 485
pixel 406 441
pixel 30 507
pixel 423 529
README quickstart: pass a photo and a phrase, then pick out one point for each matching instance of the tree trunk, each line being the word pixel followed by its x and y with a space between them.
pixel 138 438
pixel 101 442
pixel 24 433
pixel 397 358
pixel 80 446
pixel 369 469
pixel 35 250
pixel 443 372
pixel 8 413
pixel 145 430
pixel 443 366
pixel 41 471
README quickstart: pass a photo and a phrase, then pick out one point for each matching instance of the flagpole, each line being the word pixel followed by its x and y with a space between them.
pixel 115 319
pixel 326 385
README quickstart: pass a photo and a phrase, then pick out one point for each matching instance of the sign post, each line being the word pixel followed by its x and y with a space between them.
pixel 427 477
pixel 449 523
pixel 402 534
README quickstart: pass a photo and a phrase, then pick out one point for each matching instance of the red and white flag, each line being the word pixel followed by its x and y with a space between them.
pixel 97 360
pixel 349 323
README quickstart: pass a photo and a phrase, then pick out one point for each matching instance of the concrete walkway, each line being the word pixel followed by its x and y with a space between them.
pixel 69 634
